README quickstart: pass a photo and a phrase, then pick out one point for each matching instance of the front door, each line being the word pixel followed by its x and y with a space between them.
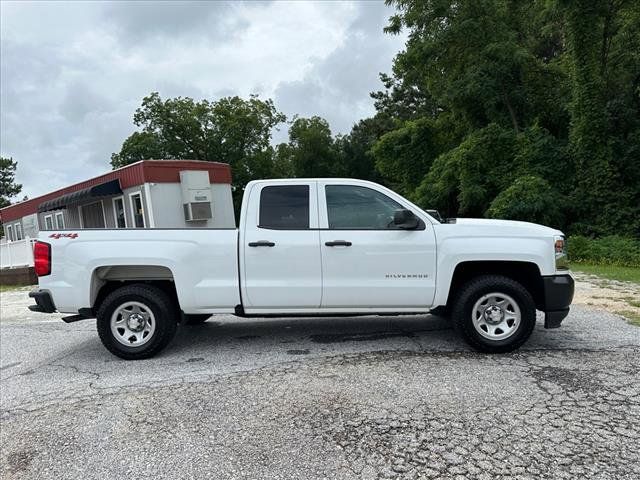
pixel 367 262
pixel 281 250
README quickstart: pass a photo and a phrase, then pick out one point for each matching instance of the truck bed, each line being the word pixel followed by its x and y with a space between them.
pixel 203 263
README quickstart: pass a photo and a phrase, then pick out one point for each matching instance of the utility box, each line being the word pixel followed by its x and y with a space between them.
pixel 196 195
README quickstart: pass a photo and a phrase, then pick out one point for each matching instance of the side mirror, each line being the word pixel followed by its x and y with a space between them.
pixel 405 219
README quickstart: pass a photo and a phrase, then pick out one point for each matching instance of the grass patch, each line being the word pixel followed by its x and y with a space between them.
pixel 632 317
pixel 611 272
pixel 9 288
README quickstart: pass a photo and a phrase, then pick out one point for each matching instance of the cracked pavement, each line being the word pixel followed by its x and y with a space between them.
pixel 365 397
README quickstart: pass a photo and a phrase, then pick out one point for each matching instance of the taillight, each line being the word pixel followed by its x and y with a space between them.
pixel 42 258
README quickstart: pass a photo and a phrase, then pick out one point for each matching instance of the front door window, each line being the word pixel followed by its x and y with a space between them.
pixel 353 207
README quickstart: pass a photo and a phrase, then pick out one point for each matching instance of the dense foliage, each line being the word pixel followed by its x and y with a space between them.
pixel 498 108
pixel 609 250
pixel 537 104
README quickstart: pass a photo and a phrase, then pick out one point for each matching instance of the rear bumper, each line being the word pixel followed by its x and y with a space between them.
pixel 558 295
pixel 44 302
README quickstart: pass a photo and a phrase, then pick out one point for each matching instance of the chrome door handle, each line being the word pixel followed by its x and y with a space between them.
pixel 338 243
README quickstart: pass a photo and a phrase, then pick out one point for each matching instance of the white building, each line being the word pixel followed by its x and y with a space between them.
pixel 146 194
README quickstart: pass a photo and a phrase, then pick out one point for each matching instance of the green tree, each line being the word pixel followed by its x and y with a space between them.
pixel 475 60
pixel 230 130
pixel 404 154
pixel 589 133
pixel 467 178
pixel 354 149
pixel 515 89
pixel 528 198
pixel 8 187
pixel 311 151
pixel 595 30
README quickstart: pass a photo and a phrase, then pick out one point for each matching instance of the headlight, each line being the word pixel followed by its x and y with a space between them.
pixel 560 245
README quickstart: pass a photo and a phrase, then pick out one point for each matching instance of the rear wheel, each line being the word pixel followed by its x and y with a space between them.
pixel 494 314
pixel 136 321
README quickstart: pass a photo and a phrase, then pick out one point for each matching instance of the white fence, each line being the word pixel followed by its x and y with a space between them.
pixel 16 254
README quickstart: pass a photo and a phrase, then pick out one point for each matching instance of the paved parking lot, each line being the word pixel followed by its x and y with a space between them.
pixel 368 397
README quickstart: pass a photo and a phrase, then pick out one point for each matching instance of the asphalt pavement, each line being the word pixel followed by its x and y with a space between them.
pixel 363 397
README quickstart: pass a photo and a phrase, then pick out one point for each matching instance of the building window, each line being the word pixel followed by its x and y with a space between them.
pixel 137 210
pixel 9 233
pixel 118 213
pixel 18 230
pixel 48 222
pixel 59 221
pixel 92 215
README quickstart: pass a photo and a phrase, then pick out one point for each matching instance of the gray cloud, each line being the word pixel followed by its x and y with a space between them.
pixel 338 86
pixel 72 74
pixel 148 21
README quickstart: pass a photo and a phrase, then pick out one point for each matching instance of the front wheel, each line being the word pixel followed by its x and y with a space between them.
pixel 494 314
pixel 136 321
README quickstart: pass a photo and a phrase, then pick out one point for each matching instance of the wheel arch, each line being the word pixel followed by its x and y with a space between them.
pixel 108 278
pixel 526 273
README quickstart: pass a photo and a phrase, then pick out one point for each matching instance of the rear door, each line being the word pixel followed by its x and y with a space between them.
pixel 367 261
pixel 280 246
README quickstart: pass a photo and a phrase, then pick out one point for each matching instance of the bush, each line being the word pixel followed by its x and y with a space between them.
pixel 611 250
pixel 530 199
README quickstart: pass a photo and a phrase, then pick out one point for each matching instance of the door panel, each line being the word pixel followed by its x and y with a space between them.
pixel 367 261
pixel 380 268
pixel 285 275
pixel 281 247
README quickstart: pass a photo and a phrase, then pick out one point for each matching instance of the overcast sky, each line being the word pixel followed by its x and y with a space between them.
pixel 73 73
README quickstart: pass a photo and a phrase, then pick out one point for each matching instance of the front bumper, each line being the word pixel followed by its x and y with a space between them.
pixel 44 302
pixel 558 294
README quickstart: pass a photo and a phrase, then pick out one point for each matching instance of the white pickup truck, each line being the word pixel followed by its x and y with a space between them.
pixel 308 247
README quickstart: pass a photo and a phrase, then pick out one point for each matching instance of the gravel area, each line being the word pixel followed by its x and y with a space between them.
pixel 609 295
pixel 367 397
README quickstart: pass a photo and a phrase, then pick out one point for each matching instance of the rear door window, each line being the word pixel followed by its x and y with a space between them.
pixel 284 207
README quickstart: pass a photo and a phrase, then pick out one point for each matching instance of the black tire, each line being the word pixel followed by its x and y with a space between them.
pixel 472 291
pixel 153 298
pixel 196 319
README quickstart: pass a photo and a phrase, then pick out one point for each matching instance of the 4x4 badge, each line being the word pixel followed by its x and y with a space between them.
pixel 63 235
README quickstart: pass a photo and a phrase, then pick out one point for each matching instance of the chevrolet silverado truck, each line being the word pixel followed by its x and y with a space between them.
pixel 308 247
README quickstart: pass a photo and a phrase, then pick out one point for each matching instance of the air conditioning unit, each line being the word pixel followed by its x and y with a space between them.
pixel 197 211
pixel 196 195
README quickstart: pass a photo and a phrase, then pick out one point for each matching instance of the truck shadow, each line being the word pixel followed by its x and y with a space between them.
pixel 299 336
pixel 304 335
